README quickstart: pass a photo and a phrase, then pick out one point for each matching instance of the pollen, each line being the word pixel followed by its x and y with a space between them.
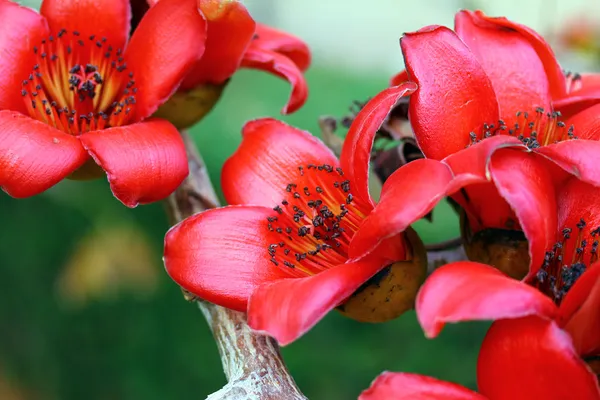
pixel 315 222
pixel 534 129
pixel 79 84
pixel 567 261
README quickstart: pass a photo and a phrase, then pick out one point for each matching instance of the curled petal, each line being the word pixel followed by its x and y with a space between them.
pixel 407 195
pixel 356 152
pixel 159 53
pixel 22 28
pixel 523 83
pixel 577 157
pixel 580 312
pixel 283 67
pixel 144 162
pixel 268 160
pixel 34 156
pixel 221 254
pixel 524 182
pixel 107 19
pixel 583 93
pixel 404 386
pixel 229 31
pixel 399 78
pixel 459 76
pixel 466 291
pixel 532 358
pixel 287 308
pixel 272 39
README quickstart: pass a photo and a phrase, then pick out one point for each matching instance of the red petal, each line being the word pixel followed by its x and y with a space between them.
pixel 578 200
pixel 586 124
pixel 104 19
pixel 287 308
pixel 580 312
pixel 268 160
pixel 159 53
pixel 524 182
pixel 584 93
pixel 34 156
pixel 399 78
pixel 284 68
pixel 404 386
pixel 466 291
pixel 144 162
pixel 221 254
pixel 440 63
pixel 229 31
pixel 577 157
pixel 269 38
pixel 407 195
pixel 510 59
pixel 22 28
pixel 532 358
pixel 356 152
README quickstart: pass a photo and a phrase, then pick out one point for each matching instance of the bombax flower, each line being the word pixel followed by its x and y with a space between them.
pixel 545 341
pixel 498 131
pixel 74 89
pixel 282 251
pixel 233 41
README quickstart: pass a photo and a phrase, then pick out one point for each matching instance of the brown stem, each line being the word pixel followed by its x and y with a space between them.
pixel 252 363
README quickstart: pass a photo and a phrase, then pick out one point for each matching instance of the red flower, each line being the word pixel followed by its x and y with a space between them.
pixel 73 88
pixel 282 250
pixel 493 121
pixel 546 329
pixel 235 40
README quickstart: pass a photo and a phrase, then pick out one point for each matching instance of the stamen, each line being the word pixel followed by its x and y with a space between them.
pixel 78 85
pixel 315 222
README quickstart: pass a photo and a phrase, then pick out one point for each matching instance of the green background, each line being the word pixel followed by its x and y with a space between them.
pixel 146 342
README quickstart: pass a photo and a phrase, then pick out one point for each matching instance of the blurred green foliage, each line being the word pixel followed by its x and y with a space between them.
pixel 149 344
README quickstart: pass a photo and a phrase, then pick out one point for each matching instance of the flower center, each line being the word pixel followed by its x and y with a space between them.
pixel 536 129
pixel 79 84
pixel 315 221
pixel 567 261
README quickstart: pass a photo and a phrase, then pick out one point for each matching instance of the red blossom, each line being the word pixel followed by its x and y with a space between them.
pixel 545 329
pixel 74 87
pixel 234 40
pixel 282 250
pixel 497 129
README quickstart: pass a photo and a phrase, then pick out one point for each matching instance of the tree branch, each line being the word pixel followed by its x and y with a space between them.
pixel 252 363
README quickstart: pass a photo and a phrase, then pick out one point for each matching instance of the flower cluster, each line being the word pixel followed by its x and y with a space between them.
pixel 505 133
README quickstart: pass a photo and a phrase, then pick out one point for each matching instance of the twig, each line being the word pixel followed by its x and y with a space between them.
pixel 252 363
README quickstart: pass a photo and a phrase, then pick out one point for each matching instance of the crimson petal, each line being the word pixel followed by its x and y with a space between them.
pixel 159 53
pixel 229 31
pixel 287 308
pixel 268 160
pixel 466 89
pixel 580 310
pixel 466 291
pixel 356 152
pixel 269 38
pixel 283 67
pixel 221 254
pixel 34 156
pixel 22 28
pixel 399 78
pixel 522 83
pixel 104 19
pixel 407 195
pixel 577 157
pixel 532 358
pixel 405 386
pixel 524 182
pixel 144 162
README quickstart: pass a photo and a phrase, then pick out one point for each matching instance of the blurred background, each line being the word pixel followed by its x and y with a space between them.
pixel 87 311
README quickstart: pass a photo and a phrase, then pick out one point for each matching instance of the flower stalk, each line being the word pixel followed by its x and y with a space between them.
pixel 252 362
